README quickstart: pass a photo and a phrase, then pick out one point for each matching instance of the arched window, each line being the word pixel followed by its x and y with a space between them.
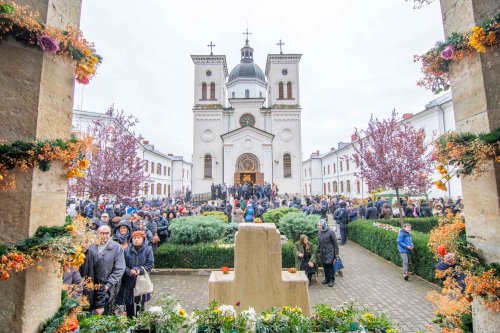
pixel 324 170
pixel 324 188
pixel 168 193
pixel 341 166
pixel 152 167
pixel 287 166
pixel 164 189
pixel 233 94
pixel 146 165
pixel 260 94
pixel 329 188
pixel 335 187
pixel 289 90
pixel 207 163
pixel 158 168
pixel 203 91
pixel 335 168
pixel 342 187
pixel 347 165
pixel 358 187
pixel 158 189
pixel 212 90
pixel 348 186
pixel 328 169
pixel 247 93
pixel 152 189
pixel 168 171
pixel 146 189
pixel 280 90
pixel 164 172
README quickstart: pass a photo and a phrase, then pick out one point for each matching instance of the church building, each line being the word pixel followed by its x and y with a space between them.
pixel 247 124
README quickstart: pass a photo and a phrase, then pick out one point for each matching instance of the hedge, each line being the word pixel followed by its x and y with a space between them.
pixel 220 215
pixel 422 224
pixel 274 215
pixel 292 225
pixel 384 243
pixel 207 256
pixel 197 229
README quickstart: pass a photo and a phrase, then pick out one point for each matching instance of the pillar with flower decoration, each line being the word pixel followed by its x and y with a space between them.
pixel 36 101
pixel 475 83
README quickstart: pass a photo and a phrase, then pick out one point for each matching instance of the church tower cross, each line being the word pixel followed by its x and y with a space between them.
pixel 280 45
pixel 247 33
pixel 211 45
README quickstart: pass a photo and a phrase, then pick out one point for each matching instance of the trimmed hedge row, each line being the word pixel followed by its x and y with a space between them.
pixel 207 256
pixel 384 243
pixel 422 224
pixel 220 215
pixel 274 215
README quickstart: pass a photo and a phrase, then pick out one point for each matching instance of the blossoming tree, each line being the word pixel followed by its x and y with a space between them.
pixel 115 169
pixel 393 155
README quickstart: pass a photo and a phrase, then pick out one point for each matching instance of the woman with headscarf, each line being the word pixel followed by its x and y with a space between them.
pixel 305 257
pixel 328 250
pixel 122 232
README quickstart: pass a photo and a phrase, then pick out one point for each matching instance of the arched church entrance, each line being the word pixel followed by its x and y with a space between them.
pixel 248 170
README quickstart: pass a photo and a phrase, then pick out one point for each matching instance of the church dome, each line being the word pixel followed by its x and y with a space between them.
pixel 247 70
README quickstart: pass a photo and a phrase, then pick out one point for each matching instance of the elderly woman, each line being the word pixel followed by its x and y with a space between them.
pixel 328 250
pixel 138 258
pixel 305 257
pixel 122 233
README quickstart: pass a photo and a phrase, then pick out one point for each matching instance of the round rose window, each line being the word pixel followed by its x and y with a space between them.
pixel 247 120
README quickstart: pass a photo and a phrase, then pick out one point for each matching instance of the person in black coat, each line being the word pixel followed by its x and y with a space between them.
pixel 138 257
pixel 328 250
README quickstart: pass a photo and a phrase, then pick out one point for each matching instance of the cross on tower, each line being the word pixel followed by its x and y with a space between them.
pixel 211 45
pixel 280 45
pixel 247 33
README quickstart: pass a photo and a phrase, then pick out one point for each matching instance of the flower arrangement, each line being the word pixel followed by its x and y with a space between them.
pixel 21 23
pixel 465 276
pixel 62 244
pixel 435 62
pixel 225 270
pixel 385 226
pixel 26 155
pixel 468 154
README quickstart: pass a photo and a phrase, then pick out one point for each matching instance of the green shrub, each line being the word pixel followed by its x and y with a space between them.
pixel 422 224
pixel 219 215
pixel 274 215
pixel 292 225
pixel 231 230
pixel 197 229
pixel 384 243
pixel 206 256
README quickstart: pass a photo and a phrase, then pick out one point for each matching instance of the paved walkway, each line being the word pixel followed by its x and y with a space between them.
pixel 368 280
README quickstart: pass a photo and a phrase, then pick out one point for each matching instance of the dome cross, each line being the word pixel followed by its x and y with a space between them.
pixel 211 45
pixel 247 33
pixel 280 45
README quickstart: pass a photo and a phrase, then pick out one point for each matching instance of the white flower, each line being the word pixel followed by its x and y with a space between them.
pixel 250 314
pixel 177 307
pixel 156 309
pixel 227 310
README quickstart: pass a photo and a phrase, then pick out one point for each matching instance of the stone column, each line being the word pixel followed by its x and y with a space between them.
pixel 476 101
pixel 36 101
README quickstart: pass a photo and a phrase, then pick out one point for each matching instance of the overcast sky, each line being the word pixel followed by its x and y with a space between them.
pixel 357 59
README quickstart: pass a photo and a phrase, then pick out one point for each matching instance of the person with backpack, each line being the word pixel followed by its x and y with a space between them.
pixel 342 218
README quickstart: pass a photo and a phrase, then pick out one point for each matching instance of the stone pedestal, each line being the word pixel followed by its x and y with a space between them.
pixel 36 101
pixel 476 101
pixel 257 280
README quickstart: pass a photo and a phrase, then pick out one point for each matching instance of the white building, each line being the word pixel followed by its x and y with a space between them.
pixel 168 175
pixel 334 172
pixel 247 125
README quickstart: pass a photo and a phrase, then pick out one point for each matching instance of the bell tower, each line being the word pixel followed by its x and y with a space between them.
pixel 210 75
pixel 282 71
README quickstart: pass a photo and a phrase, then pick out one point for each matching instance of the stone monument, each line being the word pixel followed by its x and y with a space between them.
pixel 258 280
pixel 36 101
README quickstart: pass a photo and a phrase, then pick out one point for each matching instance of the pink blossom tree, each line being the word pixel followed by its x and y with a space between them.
pixel 392 154
pixel 115 169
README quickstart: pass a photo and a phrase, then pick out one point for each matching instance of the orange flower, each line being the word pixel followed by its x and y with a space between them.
pixel 225 270
pixel 292 270
pixel 5 276
pixel 83 164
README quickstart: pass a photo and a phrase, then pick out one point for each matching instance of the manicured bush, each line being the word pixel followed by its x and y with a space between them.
pixel 197 229
pixel 206 256
pixel 274 215
pixel 422 224
pixel 384 243
pixel 231 230
pixel 220 215
pixel 292 225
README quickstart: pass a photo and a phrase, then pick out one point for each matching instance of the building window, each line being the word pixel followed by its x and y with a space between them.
pixel 158 168
pixel 152 167
pixel 287 166
pixel 164 188
pixel 335 187
pixel 324 170
pixel 347 165
pixel 203 91
pixel 342 187
pixel 168 171
pixel 310 191
pixel 335 168
pixel 247 120
pixel 207 166
pixel 341 166
pixel 233 94
pixel 289 90
pixel 324 188
pixel 212 91
pixel 356 160
pixel 280 90
pixel 306 190
pixel 158 189
pixel 260 94
pixel 328 169
pixel 348 186
pixel 358 187
pixel 168 193
pixel 247 93
pixel 146 166
pixel 329 188
pixel 146 189
pixel 152 189
pixel 164 172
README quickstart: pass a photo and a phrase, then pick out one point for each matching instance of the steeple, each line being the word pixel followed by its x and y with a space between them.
pixel 247 51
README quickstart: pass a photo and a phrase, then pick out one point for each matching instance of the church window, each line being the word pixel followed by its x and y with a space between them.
pixel 158 168
pixel 168 193
pixel 324 188
pixel 348 183
pixel 280 92
pixel 328 169
pixel 287 166
pixel 341 166
pixel 284 72
pixel 146 165
pixel 146 189
pixel 324 170
pixel 341 186
pixel 203 91
pixel 329 188
pixel 347 165
pixel 212 90
pixel 247 93
pixel 158 189
pixel 152 189
pixel 358 187
pixel 247 120
pixel 306 190
pixel 233 94
pixel 335 168
pixel 207 166
pixel 152 167
pixel 335 187
pixel 289 90
pixel 310 191
pixel 260 94
pixel 164 172
pixel 168 171
pixel 209 73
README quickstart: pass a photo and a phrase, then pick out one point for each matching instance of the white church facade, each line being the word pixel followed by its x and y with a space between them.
pixel 247 124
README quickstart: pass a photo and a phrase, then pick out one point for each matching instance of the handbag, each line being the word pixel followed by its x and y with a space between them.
pixel 338 265
pixel 143 284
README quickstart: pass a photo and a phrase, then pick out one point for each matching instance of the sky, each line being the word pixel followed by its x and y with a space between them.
pixel 357 59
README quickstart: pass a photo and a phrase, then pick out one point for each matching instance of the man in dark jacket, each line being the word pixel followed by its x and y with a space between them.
pixel 342 218
pixel 371 212
pixel 328 250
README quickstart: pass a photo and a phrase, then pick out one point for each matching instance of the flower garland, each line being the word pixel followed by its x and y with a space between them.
pixel 65 320
pixel 62 244
pixel 435 62
pixel 21 23
pixel 25 155
pixel 465 276
pixel 467 153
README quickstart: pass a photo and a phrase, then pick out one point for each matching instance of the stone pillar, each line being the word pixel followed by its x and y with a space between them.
pixel 36 101
pixel 476 101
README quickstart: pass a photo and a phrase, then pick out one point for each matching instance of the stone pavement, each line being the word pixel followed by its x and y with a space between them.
pixel 368 280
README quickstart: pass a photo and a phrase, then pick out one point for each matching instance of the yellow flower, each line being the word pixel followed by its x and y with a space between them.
pixel 477 39
pixel 83 164
pixel 297 310
pixel 70 228
pixel 268 317
pixel 286 307
pixel 440 185
pixel 216 311
pixel 181 312
pixel 87 52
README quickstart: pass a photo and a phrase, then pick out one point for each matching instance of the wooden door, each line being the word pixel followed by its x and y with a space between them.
pixel 236 178
pixel 259 179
